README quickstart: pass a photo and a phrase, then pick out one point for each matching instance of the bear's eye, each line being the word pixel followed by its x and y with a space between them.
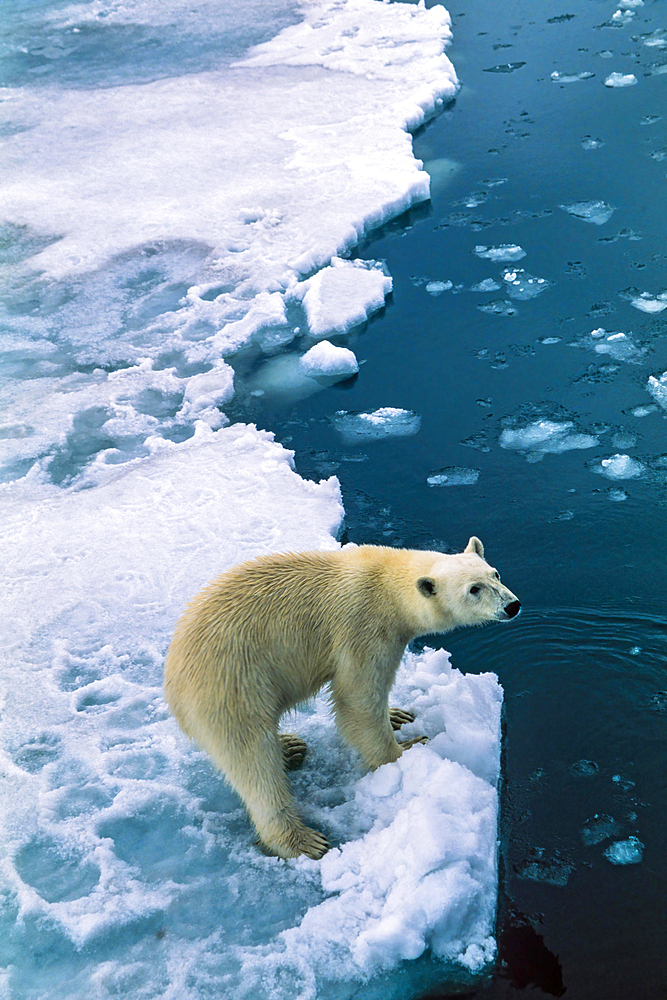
pixel 475 589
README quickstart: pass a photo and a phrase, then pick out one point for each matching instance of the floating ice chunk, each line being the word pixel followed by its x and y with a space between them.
pixel 645 411
pixel 657 386
pixel 453 475
pixel 630 4
pixel 499 307
pixel 625 852
pixel 596 212
pixel 590 142
pixel 599 828
pixel 388 421
pixel 619 466
pixel 342 295
pixel 585 768
pixel 558 77
pixel 620 80
pixel 545 437
pixel 328 361
pixel 505 67
pixel 648 304
pixel 487 285
pixel 616 496
pixel 550 340
pixel 521 285
pixel 206 392
pixel 619 346
pixel 622 17
pixel 438 287
pixel 504 253
pixel 538 868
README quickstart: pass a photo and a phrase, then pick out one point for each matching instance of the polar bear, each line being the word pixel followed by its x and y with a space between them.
pixel 271 632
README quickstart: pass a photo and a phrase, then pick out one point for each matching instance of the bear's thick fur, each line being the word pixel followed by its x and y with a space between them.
pixel 271 632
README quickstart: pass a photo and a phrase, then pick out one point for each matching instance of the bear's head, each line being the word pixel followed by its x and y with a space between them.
pixel 460 590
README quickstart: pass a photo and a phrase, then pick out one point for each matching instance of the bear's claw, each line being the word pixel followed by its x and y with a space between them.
pixel 312 843
pixel 294 750
pixel 400 717
pixel 410 743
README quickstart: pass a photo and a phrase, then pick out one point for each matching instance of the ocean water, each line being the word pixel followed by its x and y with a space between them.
pixel 537 405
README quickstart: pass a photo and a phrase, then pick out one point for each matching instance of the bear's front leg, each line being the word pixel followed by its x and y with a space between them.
pixel 362 717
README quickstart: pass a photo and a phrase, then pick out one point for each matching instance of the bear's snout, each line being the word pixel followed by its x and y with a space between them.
pixel 512 609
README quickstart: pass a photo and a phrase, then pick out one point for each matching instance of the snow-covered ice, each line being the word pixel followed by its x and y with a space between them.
pixel 657 386
pixel 648 303
pixel 521 285
pixel 385 422
pixel 342 295
pixel 620 346
pixel 453 475
pixel 545 437
pixel 620 80
pixel 596 212
pixel 560 77
pixel 325 360
pixel 506 252
pixel 438 287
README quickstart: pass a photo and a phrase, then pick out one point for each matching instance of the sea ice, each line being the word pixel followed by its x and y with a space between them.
pixel 558 77
pixel 325 360
pixel 453 475
pixel 590 142
pixel 523 286
pixel 625 852
pixel 619 346
pixel 438 287
pixel 657 386
pixel 597 212
pixel 545 437
pixel 599 828
pixel 620 80
pixel 650 304
pixel 498 307
pixel 342 295
pixel 619 466
pixel 504 253
pixel 388 421
pixel 487 285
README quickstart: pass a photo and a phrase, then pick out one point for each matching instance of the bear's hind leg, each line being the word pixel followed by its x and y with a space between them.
pixel 294 750
pixel 255 768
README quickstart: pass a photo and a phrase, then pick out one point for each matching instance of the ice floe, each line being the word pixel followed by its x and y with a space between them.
pixel 625 852
pixel 619 466
pixel 436 288
pixel 521 285
pixel 648 303
pixel 545 437
pixel 453 475
pixel 558 77
pixel 386 422
pixel 596 212
pixel 598 829
pixel 325 360
pixel 657 386
pixel 620 346
pixel 342 295
pixel 620 80
pixel 498 307
pixel 486 285
pixel 504 253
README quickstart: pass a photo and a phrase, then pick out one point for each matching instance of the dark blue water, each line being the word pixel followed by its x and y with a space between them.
pixel 584 669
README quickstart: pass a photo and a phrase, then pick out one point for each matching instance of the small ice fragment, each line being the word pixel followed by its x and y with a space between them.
pixel 558 77
pixel 453 475
pixel 545 437
pixel 620 80
pixel 616 496
pixel 487 285
pixel 650 119
pixel 494 181
pixel 505 67
pixel 484 402
pixel 554 871
pixel 646 303
pixel 585 768
pixel 618 345
pixel 621 17
pixel 438 287
pixel 624 783
pixel 523 286
pixel 635 651
pixel 630 4
pixel 589 142
pixel 549 340
pixel 606 54
pixel 625 852
pixel 503 253
pixel 599 828
pixel 619 467
pixel 386 422
pixel 498 307
pixel 325 360
pixel 624 439
pixel 657 386
pixel 596 212
pixel 644 411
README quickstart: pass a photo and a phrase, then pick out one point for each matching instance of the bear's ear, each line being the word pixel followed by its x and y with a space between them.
pixel 474 545
pixel 426 586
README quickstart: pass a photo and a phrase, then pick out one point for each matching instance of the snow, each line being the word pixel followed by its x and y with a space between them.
pixel 545 437
pixel 595 212
pixel 620 79
pixel 386 422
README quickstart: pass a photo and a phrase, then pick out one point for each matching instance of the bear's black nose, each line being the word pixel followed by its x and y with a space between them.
pixel 512 609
